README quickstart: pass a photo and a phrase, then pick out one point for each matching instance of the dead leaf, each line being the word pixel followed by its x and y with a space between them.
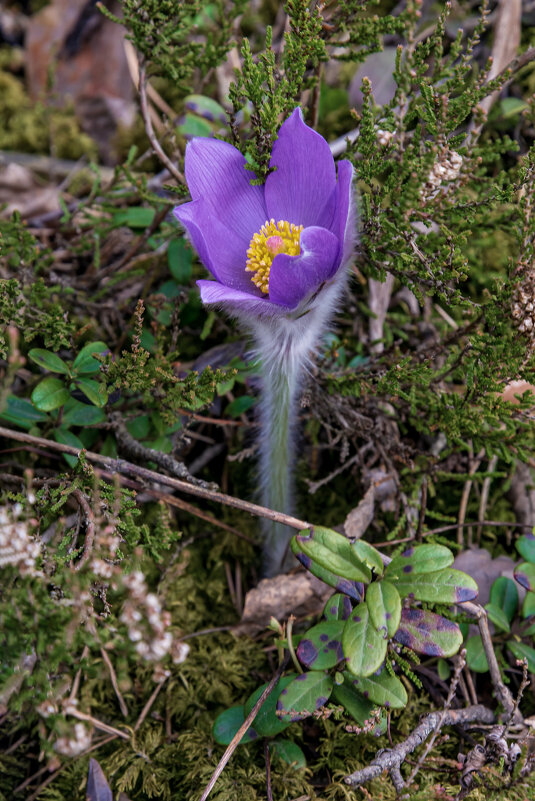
pixel 98 788
pixel 360 518
pixel 299 594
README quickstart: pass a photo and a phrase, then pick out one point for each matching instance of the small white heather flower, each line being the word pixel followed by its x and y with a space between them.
pixel 72 746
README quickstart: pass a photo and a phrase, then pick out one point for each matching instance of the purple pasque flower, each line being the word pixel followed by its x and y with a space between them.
pixel 272 249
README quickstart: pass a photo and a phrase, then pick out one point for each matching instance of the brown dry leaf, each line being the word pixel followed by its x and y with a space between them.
pixel 299 594
pixel 360 518
pixel 21 192
pixel 507 29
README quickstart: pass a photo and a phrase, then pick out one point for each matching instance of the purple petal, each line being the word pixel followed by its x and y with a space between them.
pixel 302 190
pixel 220 249
pixel 293 278
pixel 215 171
pixel 238 302
pixel 344 223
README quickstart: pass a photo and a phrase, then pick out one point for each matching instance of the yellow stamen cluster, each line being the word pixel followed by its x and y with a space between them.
pixel 272 239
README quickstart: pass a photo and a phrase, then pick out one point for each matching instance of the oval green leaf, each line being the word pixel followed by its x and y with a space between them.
pixel 356 705
pixel 48 360
pixel 445 586
pixel 528 605
pixel 320 647
pixel 93 391
pixel 304 695
pixel 364 648
pixel 522 651
pixel 504 593
pixel 369 555
pixel 267 723
pixel 333 551
pixel 476 658
pixel 525 575
pixel 419 559
pixel 85 363
pixel 50 394
pixel 81 414
pixel 525 546
pixel 498 617
pixel 338 607
pixel 428 633
pixel 352 588
pixel 21 412
pixel 66 437
pixel 289 752
pixel 384 689
pixel 227 725
pixel 384 605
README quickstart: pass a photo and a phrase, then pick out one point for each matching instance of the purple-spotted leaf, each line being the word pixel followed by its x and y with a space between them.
pixel 428 633
pixel 321 647
pixel 384 605
pixel 498 617
pixel 228 723
pixel 304 695
pixel 504 593
pixel 338 607
pixel 476 658
pixel 525 575
pixel 522 651
pixel 445 586
pixel 369 555
pixel 364 647
pixel 419 559
pixel 525 546
pixel 354 589
pixel 267 723
pixel 384 689
pixel 333 551
pixel 356 705
pixel 97 788
pixel 289 752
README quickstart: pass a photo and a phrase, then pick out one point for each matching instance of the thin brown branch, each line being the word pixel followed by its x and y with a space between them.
pixel 146 709
pixel 145 113
pixel 127 468
pixel 115 684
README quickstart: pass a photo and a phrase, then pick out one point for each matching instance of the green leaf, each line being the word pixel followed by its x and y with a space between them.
pixel 50 394
pixel 66 437
pixel 355 704
pixel 369 555
pixel 333 551
pixel 522 651
pixel 498 617
pixel 445 586
pixel 504 593
pixel 80 414
pixel 194 126
pixel 528 605
pixel 384 605
pixel 93 391
pixel 384 689
pixel 48 360
pixel 85 363
pixel 289 752
pixel 239 405
pixel 267 723
pixel 443 670
pixel 179 260
pixel 525 575
pixel 352 588
pixel 304 695
pixel 228 723
pixel 338 607
pixel 320 647
pixel 525 546
pixel 206 107
pixel 419 559
pixel 21 412
pixel 364 647
pixel 134 217
pixel 428 633
pixel 475 654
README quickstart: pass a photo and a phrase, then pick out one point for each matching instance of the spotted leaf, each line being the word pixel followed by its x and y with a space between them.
pixel 338 607
pixel 354 702
pixel 227 725
pixel 369 555
pixel 525 575
pixel 384 689
pixel 419 559
pixel 428 633
pixel 352 588
pixel 321 646
pixel 364 648
pixel 304 695
pixel 334 552
pixel 442 586
pixel 267 723
pixel 384 604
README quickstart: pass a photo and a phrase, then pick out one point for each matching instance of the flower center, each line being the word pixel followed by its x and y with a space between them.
pixel 272 239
